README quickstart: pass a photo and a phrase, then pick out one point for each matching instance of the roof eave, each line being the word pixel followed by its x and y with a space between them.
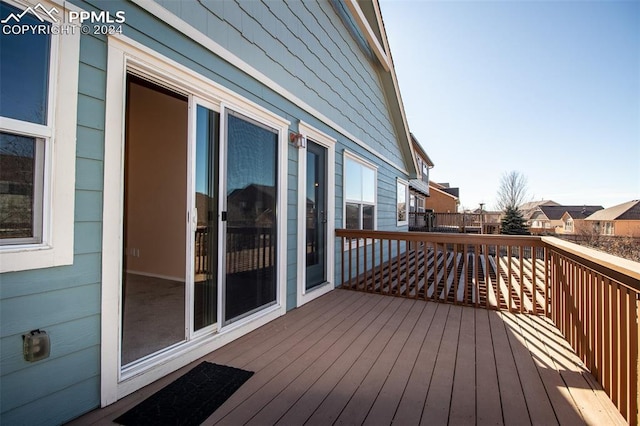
pixel 388 76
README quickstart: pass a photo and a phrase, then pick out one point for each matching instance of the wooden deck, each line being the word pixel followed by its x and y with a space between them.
pixel 358 358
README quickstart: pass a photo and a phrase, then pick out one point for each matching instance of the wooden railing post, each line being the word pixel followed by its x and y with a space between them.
pixel 594 302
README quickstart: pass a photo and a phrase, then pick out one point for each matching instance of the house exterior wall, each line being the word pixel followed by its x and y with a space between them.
pixel 626 228
pixel 64 301
pixel 441 203
pixel 302 46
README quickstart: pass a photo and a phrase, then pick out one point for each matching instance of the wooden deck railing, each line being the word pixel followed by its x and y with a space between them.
pixel 247 248
pixel 591 297
pixel 594 303
pixel 444 222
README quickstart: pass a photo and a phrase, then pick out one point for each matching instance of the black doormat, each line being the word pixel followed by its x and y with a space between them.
pixel 190 399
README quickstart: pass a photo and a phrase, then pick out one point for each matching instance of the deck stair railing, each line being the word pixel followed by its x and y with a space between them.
pixel 591 297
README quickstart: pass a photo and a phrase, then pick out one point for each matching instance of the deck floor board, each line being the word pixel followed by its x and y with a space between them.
pixel 358 358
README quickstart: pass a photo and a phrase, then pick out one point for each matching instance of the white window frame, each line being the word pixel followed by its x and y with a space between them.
pixel 326 141
pixel 569 225
pixel 608 228
pixel 58 138
pixel 349 155
pixel 126 55
pixel 405 184
pixel 425 172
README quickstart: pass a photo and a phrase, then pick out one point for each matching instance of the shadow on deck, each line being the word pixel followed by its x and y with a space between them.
pixel 357 358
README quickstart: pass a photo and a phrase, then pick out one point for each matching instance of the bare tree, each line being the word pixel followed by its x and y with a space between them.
pixel 512 191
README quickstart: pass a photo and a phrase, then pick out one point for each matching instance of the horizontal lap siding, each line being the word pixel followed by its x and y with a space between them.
pixel 292 229
pixel 63 301
pixel 303 47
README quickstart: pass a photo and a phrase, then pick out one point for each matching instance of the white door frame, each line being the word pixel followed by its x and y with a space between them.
pixel 124 55
pixel 324 140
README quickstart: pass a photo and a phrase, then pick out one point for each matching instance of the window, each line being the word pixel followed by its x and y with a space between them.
pixel 360 193
pixel 420 204
pixel 412 203
pixel 21 172
pixel 401 200
pixel 425 172
pixel 608 228
pixel 24 66
pixel 38 88
pixel 569 225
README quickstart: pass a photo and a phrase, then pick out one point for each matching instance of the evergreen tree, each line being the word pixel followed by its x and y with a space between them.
pixel 513 222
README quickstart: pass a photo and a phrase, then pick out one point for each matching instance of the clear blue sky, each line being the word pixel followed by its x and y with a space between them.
pixel 549 89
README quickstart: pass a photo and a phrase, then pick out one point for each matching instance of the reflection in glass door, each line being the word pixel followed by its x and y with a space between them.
pixel 251 217
pixel 316 215
pixel 205 243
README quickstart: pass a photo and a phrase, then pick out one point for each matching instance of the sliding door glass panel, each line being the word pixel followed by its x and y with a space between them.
pixel 251 226
pixel 206 232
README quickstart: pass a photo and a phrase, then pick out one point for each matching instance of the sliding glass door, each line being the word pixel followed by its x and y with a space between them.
pixel 251 217
pixel 200 220
pixel 205 232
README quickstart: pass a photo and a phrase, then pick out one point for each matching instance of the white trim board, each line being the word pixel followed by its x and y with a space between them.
pixel 58 194
pixel 125 55
pixel 322 139
pixel 362 22
pixel 194 34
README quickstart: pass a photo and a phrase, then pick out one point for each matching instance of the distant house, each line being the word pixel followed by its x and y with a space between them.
pixel 549 216
pixel 419 187
pixel 620 220
pixel 573 219
pixel 491 220
pixel 535 218
pixel 443 198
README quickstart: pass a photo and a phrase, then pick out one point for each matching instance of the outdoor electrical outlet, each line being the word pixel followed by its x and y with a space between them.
pixel 36 345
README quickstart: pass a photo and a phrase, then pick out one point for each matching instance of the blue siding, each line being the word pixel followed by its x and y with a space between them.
pixel 57 407
pixel 64 301
pixel 304 47
pixel 292 224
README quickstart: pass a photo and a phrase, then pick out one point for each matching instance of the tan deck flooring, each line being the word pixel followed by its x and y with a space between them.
pixel 357 358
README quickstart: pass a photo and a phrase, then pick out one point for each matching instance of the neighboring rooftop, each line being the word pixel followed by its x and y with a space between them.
pixel 423 153
pixel 576 212
pixel 535 204
pixel 625 211
pixel 529 209
pixel 446 188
